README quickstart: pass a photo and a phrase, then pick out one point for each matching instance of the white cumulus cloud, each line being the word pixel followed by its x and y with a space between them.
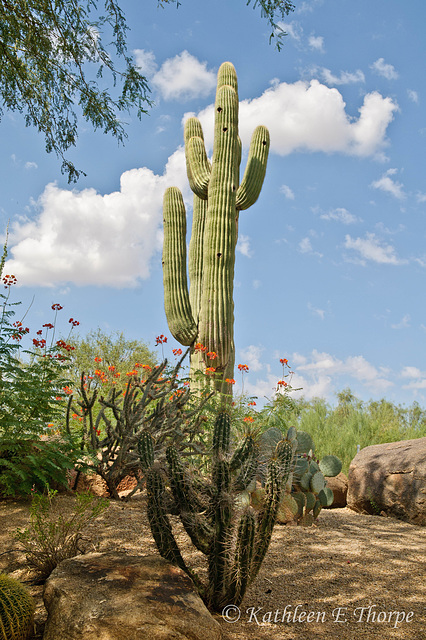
pixel 87 238
pixel 309 116
pixel 184 77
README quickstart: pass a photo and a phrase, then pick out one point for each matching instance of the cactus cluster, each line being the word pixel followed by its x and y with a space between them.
pixel 16 610
pixel 204 314
pixel 232 535
pixel 306 491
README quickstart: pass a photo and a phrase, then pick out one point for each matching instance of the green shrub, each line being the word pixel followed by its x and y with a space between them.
pixel 53 535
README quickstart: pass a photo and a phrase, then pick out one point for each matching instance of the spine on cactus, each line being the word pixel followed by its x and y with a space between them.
pixel 189 506
pixel 16 610
pixel 205 314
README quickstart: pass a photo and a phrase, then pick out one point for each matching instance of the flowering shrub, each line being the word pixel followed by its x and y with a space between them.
pixel 110 426
pixel 31 392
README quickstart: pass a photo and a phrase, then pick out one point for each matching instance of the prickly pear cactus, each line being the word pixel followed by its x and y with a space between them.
pixel 204 314
pixel 306 491
pixel 16 610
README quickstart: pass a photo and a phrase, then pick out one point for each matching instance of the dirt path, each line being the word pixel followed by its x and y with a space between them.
pixel 350 576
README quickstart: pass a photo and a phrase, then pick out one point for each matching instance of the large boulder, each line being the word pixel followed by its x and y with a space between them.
pixel 391 479
pixel 339 486
pixel 115 596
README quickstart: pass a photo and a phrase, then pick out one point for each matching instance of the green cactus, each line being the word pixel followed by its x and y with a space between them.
pixel 330 466
pixel 16 610
pixel 306 491
pixel 216 515
pixel 205 313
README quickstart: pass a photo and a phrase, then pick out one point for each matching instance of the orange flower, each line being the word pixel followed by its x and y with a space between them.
pixel 243 368
pixel 251 404
pixel 212 355
pixel 282 383
pixel 248 419
pixel 283 360
pixel 200 347
pixel 177 352
pixel 210 370
pixel 98 359
pixel 230 380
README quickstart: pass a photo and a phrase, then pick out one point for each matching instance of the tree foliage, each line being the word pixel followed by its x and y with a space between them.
pixel 48 52
pixel 53 57
pixel 111 355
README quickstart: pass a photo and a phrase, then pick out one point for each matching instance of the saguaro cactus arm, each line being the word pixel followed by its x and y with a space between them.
pixel 176 296
pixel 249 189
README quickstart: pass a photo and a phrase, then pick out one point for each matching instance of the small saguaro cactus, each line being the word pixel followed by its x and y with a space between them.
pixel 204 314
pixel 233 536
pixel 16 610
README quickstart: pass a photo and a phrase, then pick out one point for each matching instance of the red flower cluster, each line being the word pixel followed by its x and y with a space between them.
pixel 177 352
pixel 160 340
pixel 282 383
pixel 63 345
pixel 39 343
pixel 74 323
pixel 20 330
pixel 57 307
pixel 200 347
pixel 243 368
pixel 9 280
pixel 283 361
pixel 212 355
pixel 230 380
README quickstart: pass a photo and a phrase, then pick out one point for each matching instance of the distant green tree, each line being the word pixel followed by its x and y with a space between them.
pixel 107 357
pixel 53 57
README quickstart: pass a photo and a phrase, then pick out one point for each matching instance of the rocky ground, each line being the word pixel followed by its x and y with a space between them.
pixel 349 576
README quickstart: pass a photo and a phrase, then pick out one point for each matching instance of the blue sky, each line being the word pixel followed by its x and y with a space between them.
pixel 331 260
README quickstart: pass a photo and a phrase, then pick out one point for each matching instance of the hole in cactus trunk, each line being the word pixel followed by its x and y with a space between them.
pixel 219 255
pixel 225 129
pixel 264 142
pixel 219 109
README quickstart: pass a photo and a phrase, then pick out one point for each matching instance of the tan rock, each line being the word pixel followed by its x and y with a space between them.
pixel 339 486
pixel 390 478
pixel 115 596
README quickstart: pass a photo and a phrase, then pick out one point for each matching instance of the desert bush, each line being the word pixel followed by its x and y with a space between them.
pixel 54 535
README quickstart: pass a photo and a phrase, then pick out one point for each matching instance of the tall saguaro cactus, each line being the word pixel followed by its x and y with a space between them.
pixel 205 313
